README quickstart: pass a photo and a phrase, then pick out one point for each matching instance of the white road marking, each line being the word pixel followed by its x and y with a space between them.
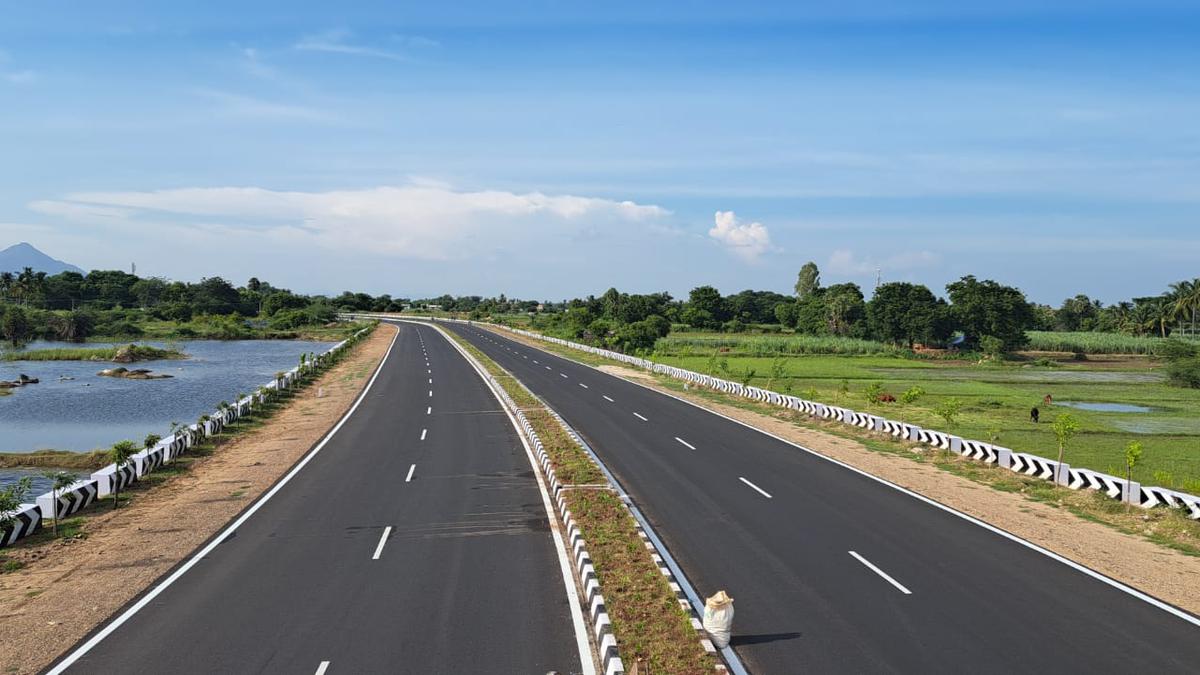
pixel 429 410
pixel 411 469
pixel 563 374
pixel 583 385
pixel 431 380
pixel 535 360
pixel 427 370
pixel 547 367
pixel 423 432
pixel 379 549
pixel 689 445
pixel 321 668
pixel 430 393
pixel 639 416
pixel 609 399
pixel 524 357
pixel 880 572
pixel 760 490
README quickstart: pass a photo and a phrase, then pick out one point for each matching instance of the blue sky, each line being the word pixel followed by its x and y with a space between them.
pixel 551 149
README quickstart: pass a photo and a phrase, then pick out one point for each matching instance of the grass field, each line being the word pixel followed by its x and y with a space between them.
pixel 1093 343
pixel 997 400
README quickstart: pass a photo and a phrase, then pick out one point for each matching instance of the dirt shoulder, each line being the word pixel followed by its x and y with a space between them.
pixel 48 605
pixel 1152 568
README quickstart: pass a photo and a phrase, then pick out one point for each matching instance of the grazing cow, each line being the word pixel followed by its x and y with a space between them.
pixel 1048 399
pixel 1034 415
pixel 887 398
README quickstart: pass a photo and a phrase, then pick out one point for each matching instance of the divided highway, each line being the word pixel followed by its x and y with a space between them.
pixel 416 540
pixel 833 571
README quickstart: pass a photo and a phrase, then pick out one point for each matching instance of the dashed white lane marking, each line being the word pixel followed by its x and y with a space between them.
pixel 583 385
pixel 524 357
pixel 378 551
pixel 760 490
pixel 547 367
pixel 535 360
pixel 563 374
pixel 321 668
pixel 429 371
pixel 639 416
pixel 423 432
pixel 411 469
pixel 431 380
pixel 430 393
pixel 688 445
pixel 429 410
pixel 606 398
pixel 880 572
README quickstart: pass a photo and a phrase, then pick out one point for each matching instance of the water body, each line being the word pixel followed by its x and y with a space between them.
pixel 92 412
pixel 1106 407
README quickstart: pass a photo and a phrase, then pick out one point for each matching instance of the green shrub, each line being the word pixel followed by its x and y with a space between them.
pixel 1184 372
pixel 912 394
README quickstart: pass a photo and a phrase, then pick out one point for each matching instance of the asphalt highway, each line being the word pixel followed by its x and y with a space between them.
pixel 833 571
pixel 415 541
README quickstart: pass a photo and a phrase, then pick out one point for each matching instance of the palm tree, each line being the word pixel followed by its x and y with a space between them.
pixel 1185 296
pixel 120 454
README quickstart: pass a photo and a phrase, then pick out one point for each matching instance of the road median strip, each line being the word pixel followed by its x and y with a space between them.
pixel 640 617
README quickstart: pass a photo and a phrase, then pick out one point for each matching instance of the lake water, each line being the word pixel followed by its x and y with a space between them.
pixel 1105 407
pixel 92 412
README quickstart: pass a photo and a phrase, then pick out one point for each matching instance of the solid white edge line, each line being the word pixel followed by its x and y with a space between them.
pixel 689 445
pixel 411 469
pixel 1124 588
pixel 881 573
pixel 423 432
pixel 639 416
pixel 382 541
pixel 568 574
pixel 760 490
pixel 149 597
pixel 321 668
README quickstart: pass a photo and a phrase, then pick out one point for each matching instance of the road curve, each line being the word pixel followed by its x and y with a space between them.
pixel 416 540
pixel 831 570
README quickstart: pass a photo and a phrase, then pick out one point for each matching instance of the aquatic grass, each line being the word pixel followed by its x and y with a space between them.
pixel 134 351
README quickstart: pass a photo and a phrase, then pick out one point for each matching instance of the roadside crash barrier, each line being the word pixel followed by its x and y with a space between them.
pixel 1030 465
pixel 23 522
pixel 110 479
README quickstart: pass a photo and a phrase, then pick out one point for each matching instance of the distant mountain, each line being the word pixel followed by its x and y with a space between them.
pixel 22 255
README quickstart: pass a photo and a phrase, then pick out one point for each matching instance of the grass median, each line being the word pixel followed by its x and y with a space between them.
pixel 650 627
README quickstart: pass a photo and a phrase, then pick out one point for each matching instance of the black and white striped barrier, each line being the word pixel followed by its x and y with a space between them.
pixel 69 499
pixel 23 522
pixel 111 479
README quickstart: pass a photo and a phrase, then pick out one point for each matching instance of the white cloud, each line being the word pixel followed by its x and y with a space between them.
pixel 748 241
pixel 846 263
pixel 421 220
pixel 335 41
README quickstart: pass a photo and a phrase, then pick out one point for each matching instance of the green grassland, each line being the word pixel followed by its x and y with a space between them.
pixel 996 403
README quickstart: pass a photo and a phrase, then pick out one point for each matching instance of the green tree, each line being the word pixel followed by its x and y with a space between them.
pixel 948 410
pixel 1133 455
pixel 120 455
pixel 1065 427
pixel 904 313
pixel 987 308
pixel 11 499
pixel 808 281
pixel 15 325
pixel 705 308
pixel 59 481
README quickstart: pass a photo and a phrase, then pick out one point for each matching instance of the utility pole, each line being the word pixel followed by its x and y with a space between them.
pixel 878 277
